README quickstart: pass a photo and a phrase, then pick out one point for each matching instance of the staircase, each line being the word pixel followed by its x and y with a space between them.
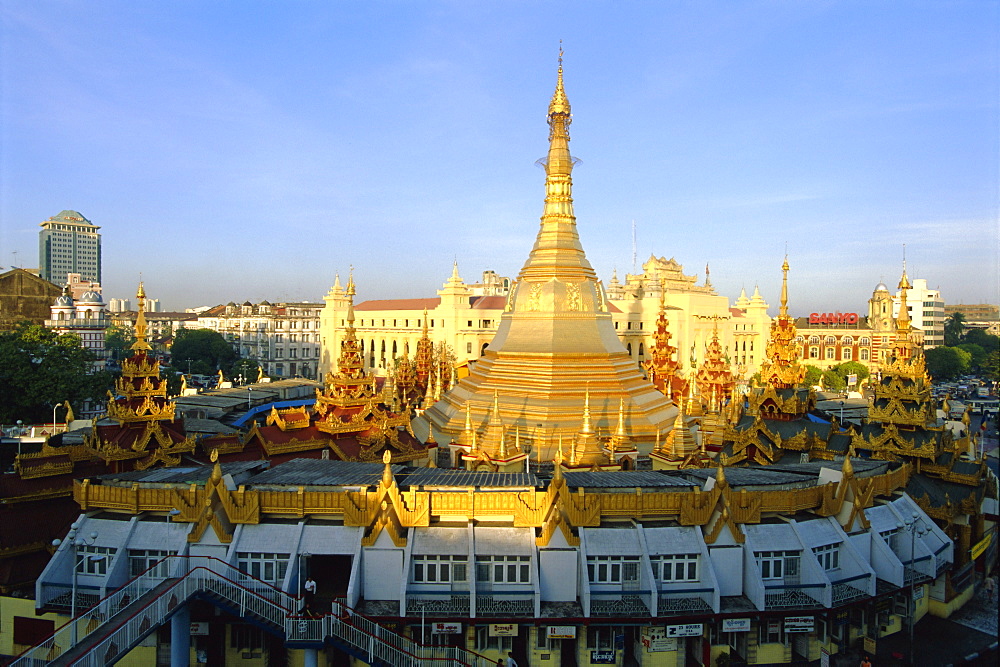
pixel 116 624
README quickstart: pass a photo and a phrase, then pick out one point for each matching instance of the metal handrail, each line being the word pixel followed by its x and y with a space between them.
pixel 260 599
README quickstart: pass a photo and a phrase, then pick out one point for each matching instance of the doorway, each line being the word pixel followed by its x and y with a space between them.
pixel 332 573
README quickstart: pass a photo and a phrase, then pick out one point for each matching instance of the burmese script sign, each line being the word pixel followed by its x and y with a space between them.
pixel 446 628
pixel 503 630
pixel 799 624
pixel 562 632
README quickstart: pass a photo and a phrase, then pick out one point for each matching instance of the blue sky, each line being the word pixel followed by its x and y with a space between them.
pixel 251 150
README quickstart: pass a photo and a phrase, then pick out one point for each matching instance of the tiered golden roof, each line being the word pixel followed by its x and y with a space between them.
pixel 715 380
pixel 350 400
pixel 663 368
pixel 782 369
pixel 556 334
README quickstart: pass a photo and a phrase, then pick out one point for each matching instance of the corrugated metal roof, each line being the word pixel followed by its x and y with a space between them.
pixel 611 479
pixel 185 475
pixel 468 478
pixel 753 476
pixel 319 472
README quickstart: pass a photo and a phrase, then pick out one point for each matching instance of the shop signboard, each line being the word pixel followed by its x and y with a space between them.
pixel 561 632
pixel 736 625
pixel 799 624
pixel 686 630
pixel 446 628
pixel 654 639
pixel 602 657
pixel 199 629
pixel 503 630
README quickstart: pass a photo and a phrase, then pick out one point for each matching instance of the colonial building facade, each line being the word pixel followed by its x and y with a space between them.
pixel 284 338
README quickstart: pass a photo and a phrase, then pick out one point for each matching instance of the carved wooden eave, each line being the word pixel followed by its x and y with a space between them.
pixel 215 505
pixel 564 511
pixel 148 410
pixel 288 419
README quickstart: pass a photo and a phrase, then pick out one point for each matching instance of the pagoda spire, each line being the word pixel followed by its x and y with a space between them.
pixel 140 321
pixel 557 251
pixel 783 311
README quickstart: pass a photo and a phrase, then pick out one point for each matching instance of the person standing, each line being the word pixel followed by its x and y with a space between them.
pixel 510 660
pixel 310 588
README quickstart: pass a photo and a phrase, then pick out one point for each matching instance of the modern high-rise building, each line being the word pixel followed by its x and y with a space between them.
pixel 69 243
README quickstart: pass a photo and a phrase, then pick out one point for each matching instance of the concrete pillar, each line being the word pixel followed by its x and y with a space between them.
pixel 311 657
pixel 180 637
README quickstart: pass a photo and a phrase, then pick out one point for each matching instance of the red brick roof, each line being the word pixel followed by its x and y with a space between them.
pixel 399 304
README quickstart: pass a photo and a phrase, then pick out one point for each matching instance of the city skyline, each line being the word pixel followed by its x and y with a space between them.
pixel 232 156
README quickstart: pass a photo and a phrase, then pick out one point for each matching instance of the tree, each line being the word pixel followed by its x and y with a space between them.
pixel 119 339
pixel 991 368
pixel 851 368
pixel 982 338
pixel 207 350
pixel 813 374
pixel 39 368
pixel 954 329
pixel 977 354
pixel 834 380
pixel 944 363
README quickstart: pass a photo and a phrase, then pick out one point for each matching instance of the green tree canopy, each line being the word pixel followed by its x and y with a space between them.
pixel 813 374
pixel 834 380
pixel 39 368
pixel 119 339
pixel 954 329
pixel 982 338
pixel 945 363
pixel 851 368
pixel 977 355
pixel 207 350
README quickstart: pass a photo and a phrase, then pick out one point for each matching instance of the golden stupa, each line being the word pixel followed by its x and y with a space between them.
pixel 556 340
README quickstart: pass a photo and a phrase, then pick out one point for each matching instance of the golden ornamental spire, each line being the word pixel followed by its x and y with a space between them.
pixel 140 321
pixel 559 103
pixel 783 311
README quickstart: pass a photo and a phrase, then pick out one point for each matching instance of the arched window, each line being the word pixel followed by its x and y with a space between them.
pixel 865 341
pixel 482 350
pixel 846 354
pixel 814 353
pixel 814 340
pixel 799 339
pixel 642 350
pixel 847 340
pixel 830 353
pixel 629 347
pixel 831 340
pixel 864 354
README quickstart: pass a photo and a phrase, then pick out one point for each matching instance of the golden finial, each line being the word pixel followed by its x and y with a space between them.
pixel 848 469
pixel 720 476
pixel 140 321
pixel 216 468
pixel 586 428
pixel 387 471
pixel 350 282
pixel 559 104
pixel 784 288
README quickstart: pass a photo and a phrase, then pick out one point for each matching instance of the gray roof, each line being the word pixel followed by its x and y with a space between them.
pixel 468 478
pixel 320 472
pixel 763 476
pixel 184 475
pixel 631 479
